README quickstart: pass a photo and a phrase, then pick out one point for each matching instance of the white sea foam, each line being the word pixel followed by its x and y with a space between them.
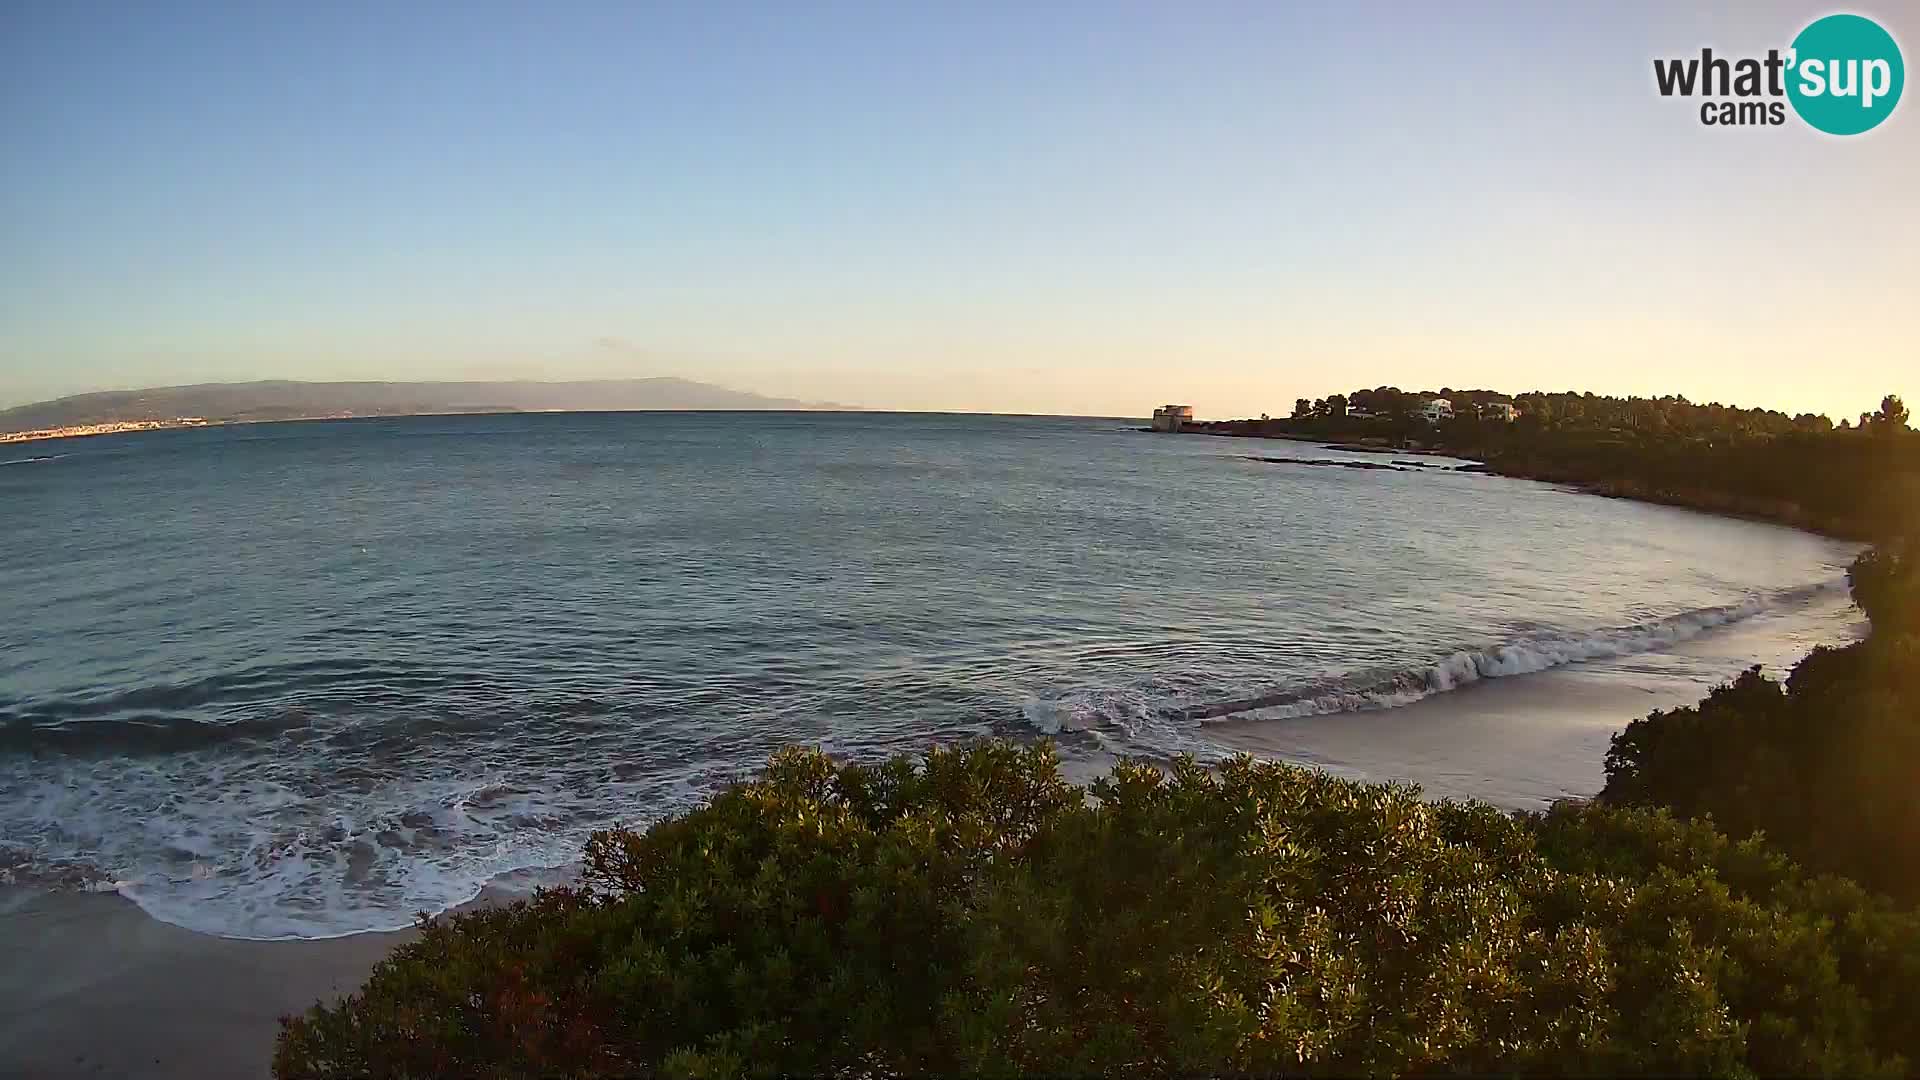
pixel 1166 722
pixel 234 850
pixel 268 846
pixel 312 741
pixel 1541 653
pixel 1090 710
pixel 1118 721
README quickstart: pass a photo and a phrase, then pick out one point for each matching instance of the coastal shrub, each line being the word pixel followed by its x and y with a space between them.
pixel 972 912
pixel 1825 765
pixel 1886 585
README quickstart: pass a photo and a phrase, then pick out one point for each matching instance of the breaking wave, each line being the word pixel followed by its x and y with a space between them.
pixel 1139 715
pixel 265 848
pixel 305 680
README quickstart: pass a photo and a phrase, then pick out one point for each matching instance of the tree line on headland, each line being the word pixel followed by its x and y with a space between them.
pixel 1739 901
pixel 1860 481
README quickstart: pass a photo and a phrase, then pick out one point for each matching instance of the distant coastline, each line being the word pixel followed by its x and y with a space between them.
pixel 78 431
pixel 157 408
pixel 189 423
pixel 1855 482
pixel 1723 504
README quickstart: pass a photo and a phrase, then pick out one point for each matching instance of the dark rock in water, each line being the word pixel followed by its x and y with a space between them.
pixel 1476 468
pixel 1329 464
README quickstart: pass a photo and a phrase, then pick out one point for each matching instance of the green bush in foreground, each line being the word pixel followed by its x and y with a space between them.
pixel 974 913
pixel 1826 766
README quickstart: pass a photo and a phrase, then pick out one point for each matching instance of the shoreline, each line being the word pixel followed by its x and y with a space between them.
pixel 100 988
pixel 1787 515
pixel 1519 742
pixel 14 437
pixel 179 1003
pixel 95 987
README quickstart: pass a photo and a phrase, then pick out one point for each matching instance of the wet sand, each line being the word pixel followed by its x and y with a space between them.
pixel 93 987
pixel 1519 742
pixel 1523 741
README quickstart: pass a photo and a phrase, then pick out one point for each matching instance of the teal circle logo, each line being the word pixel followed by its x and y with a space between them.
pixel 1845 74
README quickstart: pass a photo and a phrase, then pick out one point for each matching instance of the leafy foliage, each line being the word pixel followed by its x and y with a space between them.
pixel 1886 585
pixel 1798 470
pixel 1825 765
pixel 975 913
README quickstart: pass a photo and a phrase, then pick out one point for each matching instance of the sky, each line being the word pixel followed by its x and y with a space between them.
pixel 1087 208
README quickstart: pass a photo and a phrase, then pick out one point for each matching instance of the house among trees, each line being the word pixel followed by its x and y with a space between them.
pixel 1434 410
pixel 1499 410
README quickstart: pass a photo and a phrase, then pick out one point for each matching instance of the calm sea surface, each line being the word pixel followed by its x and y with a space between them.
pixel 305 679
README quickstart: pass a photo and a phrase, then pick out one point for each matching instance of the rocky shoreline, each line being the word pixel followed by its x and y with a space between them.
pixel 1373 466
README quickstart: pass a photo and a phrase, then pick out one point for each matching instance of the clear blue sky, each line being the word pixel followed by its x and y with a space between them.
pixel 1023 207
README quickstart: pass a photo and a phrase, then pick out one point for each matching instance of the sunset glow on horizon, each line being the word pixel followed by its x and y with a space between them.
pixel 1084 208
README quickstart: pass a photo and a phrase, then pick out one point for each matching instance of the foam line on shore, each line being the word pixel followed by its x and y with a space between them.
pixel 1133 713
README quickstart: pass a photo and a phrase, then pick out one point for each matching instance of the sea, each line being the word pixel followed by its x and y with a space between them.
pixel 307 679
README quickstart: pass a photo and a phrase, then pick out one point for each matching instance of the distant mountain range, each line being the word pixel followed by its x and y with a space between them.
pixel 310 400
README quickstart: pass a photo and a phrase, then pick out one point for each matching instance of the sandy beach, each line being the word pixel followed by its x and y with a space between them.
pixel 94 987
pixel 1524 741
pixel 1520 742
